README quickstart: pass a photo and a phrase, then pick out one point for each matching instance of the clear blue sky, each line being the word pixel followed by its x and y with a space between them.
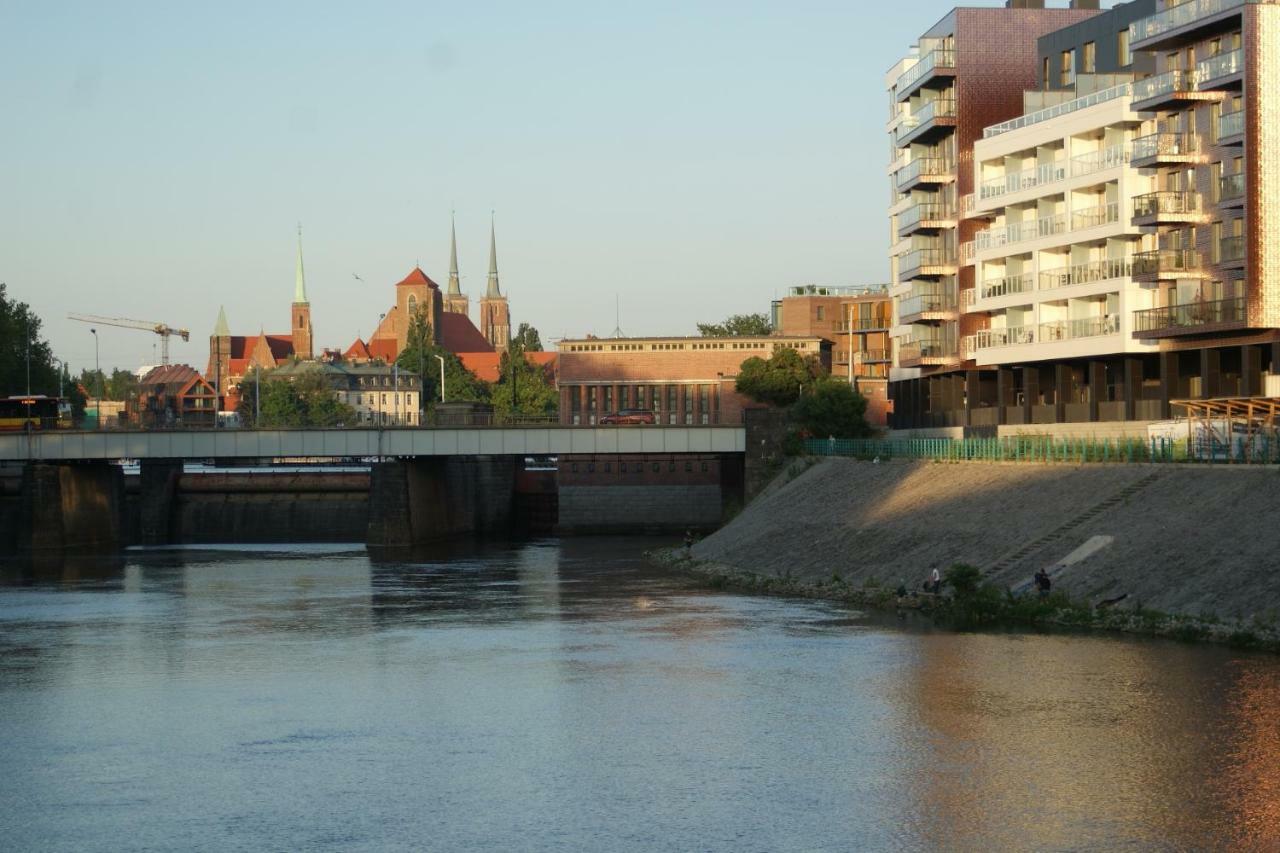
pixel 692 159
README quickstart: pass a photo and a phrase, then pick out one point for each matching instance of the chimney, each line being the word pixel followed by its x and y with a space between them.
pixel 1024 4
pixel 1085 4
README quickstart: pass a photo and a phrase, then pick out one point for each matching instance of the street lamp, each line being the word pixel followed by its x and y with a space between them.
pixel 97 368
pixel 28 352
pixel 440 359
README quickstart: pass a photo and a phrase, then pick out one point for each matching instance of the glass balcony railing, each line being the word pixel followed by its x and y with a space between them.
pixel 1175 17
pixel 1046 173
pixel 1058 110
pixel 1222 65
pixel 1087 327
pixel 918 259
pixel 1086 273
pixel 1166 202
pixel 1167 83
pixel 1008 336
pixel 1231 249
pixel 1017 232
pixel 864 324
pixel 923 166
pixel 929 211
pixel 1165 145
pixel 1231 187
pixel 1092 217
pixel 924 303
pixel 1165 262
pixel 1231 124
pixel 1009 284
pixel 930 62
pixel 1191 315
pixel 930 111
pixel 1099 161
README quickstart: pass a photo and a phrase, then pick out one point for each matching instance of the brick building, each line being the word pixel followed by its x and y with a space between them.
pixel 174 395
pixel 682 380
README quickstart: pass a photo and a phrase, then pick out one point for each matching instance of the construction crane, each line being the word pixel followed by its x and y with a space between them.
pixel 162 329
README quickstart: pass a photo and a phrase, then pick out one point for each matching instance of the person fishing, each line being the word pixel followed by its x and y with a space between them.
pixel 1043 583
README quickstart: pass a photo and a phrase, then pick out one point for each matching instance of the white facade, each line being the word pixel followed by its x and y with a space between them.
pixel 1053 268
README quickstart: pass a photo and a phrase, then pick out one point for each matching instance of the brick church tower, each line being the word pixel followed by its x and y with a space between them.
pixel 300 322
pixel 495 315
pixel 455 301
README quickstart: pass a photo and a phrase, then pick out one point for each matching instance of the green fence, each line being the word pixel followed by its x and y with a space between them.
pixel 1009 449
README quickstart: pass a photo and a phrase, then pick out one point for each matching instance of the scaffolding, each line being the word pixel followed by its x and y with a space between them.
pixel 1239 430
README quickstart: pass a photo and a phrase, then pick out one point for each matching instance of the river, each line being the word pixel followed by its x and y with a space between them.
pixel 566 696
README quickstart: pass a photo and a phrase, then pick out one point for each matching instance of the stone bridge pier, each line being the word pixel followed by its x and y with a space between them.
pixel 421 500
pixel 70 508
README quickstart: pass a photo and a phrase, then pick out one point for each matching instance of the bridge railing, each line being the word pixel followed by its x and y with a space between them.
pixel 1040 449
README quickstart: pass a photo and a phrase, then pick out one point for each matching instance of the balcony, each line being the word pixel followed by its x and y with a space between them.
pixel 1006 337
pixel 1167 207
pixel 864 324
pixel 1008 285
pixel 1086 273
pixel 927 263
pixel 1231 190
pixel 966 253
pixel 1178 23
pixel 934 64
pixel 1166 264
pixel 1231 251
pixel 1019 232
pixel 1231 127
pixel 929 215
pixel 1099 161
pixel 1088 327
pixel 1049 113
pixel 927 353
pixel 1165 89
pixel 875 356
pixel 1195 318
pixel 1221 71
pixel 932 119
pixel 926 308
pixel 1160 149
pixel 925 170
pixel 1037 176
pixel 1094 217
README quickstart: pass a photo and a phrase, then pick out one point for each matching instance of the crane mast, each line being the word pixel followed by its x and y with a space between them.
pixel 164 330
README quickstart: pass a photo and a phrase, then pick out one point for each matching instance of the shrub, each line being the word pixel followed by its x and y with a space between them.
pixel 963 578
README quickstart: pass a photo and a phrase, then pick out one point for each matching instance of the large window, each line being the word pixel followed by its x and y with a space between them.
pixel 1123 54
pixel 1090 58
pixel 1067 70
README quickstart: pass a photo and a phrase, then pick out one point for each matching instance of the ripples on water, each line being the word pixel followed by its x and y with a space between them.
pixel 564 696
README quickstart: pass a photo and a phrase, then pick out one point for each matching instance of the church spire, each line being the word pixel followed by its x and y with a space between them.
pixel 455 288
pixel 493 292
pixel 221 329
pixel 300 278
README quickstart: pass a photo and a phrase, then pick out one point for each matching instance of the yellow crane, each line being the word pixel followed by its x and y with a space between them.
pixel 164 330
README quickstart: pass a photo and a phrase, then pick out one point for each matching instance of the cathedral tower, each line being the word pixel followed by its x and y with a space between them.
pixel 495 315
pixel 455 301
pixel 300 323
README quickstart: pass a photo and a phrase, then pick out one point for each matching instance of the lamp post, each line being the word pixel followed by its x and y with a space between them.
pixel 440 359
pixel 97 368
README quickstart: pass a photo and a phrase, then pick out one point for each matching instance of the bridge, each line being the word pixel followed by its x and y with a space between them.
pixel 64 491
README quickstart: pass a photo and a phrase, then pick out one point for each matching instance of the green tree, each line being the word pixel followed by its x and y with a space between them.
pixel 419 358
pixel 523 389
pixel 778 381
pixel 281 405
pixel 737 325
pixel 527 339
pixel 18 325
pixel 832 408
pixel 308 400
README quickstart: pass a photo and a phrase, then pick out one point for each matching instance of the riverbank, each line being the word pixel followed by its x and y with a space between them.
pixel 1157 550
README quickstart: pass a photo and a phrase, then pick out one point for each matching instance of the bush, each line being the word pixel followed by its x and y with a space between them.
pixel 833 409
pixel 963 578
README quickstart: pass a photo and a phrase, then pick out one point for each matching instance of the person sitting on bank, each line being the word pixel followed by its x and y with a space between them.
pixel 934 583
pixel 688 542
pixel 1043 583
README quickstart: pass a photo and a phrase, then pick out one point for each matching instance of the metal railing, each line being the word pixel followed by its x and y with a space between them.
pixel 1099 161
pixel 1039 449
pixel 1166 202
pixel 934 59
pixel 1165 144
pixel 1231 249
pixel 877 355
pixel 1017 232
pixel 1008 336
pixel 1058 109
pixel 864 324
pixel 1177 16
pixel 924 166
pixel 1167 83
pixel 1009 284
pixel 1088 327
pixel 1231 186
pixel 1086 273
pixel 1045 173
pixel 1166 261
pixel 1222 65
pixel 1231 124
pixel 1190 315
pixel 916 350
pixel 917 259
pixel 1092 217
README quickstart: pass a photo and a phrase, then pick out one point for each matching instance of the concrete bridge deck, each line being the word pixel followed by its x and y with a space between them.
pixel 364 443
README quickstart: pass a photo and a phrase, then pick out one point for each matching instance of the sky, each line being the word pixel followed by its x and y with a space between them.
pixel 672 162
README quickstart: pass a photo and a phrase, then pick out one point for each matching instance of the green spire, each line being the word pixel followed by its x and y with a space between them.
pixel 220 328
pixel 493 292
pixel 300 278
pixel 455 289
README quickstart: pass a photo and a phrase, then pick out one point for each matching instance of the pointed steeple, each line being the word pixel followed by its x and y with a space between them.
pixel 455 288
pixel 493 291
pixel 220 328
pixel 300 278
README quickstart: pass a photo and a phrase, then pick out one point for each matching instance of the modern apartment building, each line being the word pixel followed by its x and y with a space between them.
pixel 965 73
pixel 1118 254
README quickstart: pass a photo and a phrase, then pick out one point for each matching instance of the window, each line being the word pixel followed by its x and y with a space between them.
pixel 384 399
pixel 622 467
pixel 1123 54
pixel 1044 77
pixel 413 303
pixel 608 467
pixel 575 467
pixel 821 313
pixel 656 467
pixel 1067 69
pixel 1090 57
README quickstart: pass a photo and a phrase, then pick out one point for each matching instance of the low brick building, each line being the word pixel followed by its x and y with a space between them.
pixel 174 395
pixel 681 380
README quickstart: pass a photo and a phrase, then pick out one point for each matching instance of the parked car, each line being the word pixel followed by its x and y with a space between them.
pixel 628 417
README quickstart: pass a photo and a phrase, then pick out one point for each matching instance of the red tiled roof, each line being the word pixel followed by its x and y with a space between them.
pixel 383 348
pixel 281 346
pixel 485 365
pixel 458 334
pixel 418 277
pixel 359 349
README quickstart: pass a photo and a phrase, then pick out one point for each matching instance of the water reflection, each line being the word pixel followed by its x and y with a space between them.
pixel 562 694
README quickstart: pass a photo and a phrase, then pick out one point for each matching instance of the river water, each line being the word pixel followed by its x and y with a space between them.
pixel 564 696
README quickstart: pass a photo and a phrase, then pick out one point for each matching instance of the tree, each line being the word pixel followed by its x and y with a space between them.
pixel 523 389
pixel 307 401
pixel 419 358
pixel 832 408
pixel 738 324
pixel 18 325
pixel 527 339
pixel 778 381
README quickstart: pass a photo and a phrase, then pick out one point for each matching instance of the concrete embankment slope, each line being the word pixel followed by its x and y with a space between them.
pixel 1181 539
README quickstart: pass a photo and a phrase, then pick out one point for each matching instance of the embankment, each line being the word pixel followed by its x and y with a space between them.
pixel 1197 541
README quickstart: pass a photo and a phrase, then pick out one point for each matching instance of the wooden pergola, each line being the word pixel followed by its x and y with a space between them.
pixel 1241 429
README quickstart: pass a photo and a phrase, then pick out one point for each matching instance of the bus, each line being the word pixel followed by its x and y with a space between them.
pixel 33 412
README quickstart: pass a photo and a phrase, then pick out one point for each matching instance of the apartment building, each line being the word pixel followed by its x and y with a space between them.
pixel 965 73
